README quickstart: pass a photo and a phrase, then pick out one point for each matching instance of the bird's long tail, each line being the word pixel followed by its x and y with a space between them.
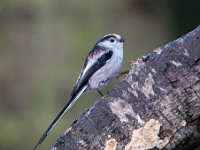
pixel 62 112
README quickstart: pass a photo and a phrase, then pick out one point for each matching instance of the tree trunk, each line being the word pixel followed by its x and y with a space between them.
pixel 156 106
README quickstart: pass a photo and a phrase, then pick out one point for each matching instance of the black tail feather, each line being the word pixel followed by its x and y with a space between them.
pixel 65 108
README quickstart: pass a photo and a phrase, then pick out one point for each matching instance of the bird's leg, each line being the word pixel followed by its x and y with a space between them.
pixel 121 74
pixel 100 92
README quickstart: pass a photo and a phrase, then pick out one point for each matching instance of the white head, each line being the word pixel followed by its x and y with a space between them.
pixel 112 41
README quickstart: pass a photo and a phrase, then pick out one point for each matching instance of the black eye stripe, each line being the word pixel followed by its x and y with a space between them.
pixel 108 37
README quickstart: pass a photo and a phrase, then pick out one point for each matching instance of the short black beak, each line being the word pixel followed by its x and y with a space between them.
pixel 122 39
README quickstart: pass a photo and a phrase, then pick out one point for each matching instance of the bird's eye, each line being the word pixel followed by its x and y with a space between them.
pixel 112 40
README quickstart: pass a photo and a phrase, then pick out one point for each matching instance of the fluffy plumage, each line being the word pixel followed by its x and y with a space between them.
pixel 101 65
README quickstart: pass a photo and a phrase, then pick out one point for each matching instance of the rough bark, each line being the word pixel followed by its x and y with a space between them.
pixel 156 106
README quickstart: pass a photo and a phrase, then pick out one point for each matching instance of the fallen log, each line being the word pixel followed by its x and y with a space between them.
pixel 156 106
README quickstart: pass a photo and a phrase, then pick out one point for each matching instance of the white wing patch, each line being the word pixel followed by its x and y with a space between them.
pixel 91 60
pixel 88 66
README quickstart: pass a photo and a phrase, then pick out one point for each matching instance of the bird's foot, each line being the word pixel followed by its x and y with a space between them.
pixel 100 93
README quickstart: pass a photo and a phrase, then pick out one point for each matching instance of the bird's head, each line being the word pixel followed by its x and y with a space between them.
pixel 112 41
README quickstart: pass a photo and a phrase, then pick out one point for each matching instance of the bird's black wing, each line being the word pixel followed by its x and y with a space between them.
pixel 100 62
pixel 78 90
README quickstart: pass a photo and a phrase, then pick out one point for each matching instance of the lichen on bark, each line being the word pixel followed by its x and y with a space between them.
pixel 163 86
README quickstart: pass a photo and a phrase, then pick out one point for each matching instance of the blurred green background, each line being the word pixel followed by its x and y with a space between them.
pixel 43 44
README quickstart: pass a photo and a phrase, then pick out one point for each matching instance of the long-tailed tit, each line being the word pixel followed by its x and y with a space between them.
pixel 101 65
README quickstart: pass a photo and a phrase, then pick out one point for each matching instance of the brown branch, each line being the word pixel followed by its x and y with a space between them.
pixel 156 106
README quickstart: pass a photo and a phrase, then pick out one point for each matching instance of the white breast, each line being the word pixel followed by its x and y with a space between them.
pixel 107 72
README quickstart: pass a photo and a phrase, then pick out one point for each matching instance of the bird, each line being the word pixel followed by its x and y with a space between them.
pixel 102 64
